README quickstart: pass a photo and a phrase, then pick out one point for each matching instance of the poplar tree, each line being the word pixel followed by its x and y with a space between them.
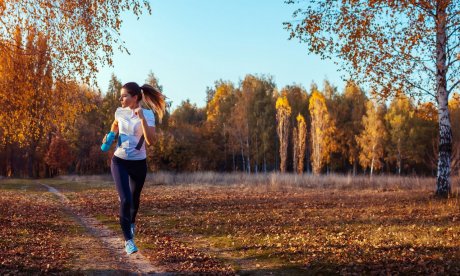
pixel 322 131
pixel 283 111
pixel 300 143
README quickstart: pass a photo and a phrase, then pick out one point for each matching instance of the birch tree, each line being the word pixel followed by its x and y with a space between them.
pixel 393 46
pixel 371 140
pixel 400 124
pixel 81 35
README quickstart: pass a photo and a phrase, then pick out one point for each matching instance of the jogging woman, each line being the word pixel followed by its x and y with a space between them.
pixel 135 126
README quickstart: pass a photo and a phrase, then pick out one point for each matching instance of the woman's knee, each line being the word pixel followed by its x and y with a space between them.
pixel 126 202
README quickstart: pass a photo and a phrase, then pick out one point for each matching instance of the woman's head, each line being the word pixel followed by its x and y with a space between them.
pixel 132 94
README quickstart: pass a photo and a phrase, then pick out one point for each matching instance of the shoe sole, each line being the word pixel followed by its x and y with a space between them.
pixel 129 253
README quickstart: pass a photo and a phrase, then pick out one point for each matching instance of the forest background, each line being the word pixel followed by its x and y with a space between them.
pixel 53 124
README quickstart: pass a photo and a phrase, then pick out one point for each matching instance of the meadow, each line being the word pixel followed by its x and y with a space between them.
pixel 281 224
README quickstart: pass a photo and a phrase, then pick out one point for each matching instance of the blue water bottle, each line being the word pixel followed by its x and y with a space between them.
pixel 108 141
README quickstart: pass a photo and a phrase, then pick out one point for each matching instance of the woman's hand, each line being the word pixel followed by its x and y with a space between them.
pixel 138 111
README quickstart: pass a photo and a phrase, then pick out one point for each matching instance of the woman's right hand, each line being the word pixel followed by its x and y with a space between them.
pixel 104 139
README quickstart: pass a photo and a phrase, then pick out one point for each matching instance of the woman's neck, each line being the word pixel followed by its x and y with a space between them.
pixel 134 106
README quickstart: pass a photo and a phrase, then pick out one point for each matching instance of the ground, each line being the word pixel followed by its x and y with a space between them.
pixel 229 229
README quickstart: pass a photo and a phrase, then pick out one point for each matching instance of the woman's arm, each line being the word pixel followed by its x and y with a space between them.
pixel 113 128
pixel 149 131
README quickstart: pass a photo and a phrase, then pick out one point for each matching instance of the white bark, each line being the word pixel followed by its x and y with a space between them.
pixel 443 184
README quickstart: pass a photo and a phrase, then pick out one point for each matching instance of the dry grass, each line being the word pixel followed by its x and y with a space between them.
pixel 277 181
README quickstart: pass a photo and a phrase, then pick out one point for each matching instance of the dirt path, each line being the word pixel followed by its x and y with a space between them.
pixel 110 244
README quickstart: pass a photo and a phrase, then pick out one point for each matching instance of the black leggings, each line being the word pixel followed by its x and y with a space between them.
pixel 129 176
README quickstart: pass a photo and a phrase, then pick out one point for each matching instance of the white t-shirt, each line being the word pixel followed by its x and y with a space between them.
pixel 130 133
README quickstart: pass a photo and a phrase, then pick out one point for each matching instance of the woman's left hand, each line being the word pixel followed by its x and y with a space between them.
pixel 138 111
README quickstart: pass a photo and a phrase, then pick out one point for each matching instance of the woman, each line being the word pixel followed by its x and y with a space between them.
pixel 135 126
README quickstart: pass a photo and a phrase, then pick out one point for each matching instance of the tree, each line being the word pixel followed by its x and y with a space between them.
pixel 34 113
pixel 59 155
pixel 454 106
pixel 239 133
pixel 81 34
pixel 424 136
pixel 400 124
pixel 186 145
pixel 261 120
pixel 298 100
pixel 347 111
pixel 218 111
pixel 300 142
pixel 155 82
pixel 371 140
pixel 393 46
pixel 283 111
pixel 111 102
pixel 322 132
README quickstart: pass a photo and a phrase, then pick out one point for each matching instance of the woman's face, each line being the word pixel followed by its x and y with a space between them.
pixel 127 100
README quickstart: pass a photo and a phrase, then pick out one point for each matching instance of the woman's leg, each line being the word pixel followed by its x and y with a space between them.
pixel 121 178
pixel 136 183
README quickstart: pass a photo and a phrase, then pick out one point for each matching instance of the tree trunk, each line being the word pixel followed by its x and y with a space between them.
pixel 30 161
pixel 399 156
pixel 242 152
pixel 443 184
pixel 372 166
pixel 354 167
pixel 265 164
pixel 9 160
pixel 249 152
pixel 372 161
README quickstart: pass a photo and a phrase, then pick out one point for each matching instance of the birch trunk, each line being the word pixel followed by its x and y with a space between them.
pixel 443 184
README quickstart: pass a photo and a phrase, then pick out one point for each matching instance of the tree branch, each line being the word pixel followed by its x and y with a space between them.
pixel 453 87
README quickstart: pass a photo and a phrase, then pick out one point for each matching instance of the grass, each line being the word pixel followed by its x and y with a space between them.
pixel 277 181
pixel 21 184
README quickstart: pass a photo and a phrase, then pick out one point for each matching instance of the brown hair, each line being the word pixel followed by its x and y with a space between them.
pixel 151 96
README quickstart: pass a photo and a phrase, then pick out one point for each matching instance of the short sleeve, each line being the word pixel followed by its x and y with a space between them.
pixel 117 113
pixel 150 117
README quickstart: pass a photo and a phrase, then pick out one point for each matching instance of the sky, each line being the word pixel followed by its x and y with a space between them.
pixel 189 45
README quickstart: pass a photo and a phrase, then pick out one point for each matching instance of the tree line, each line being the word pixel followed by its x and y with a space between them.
pixel 51 128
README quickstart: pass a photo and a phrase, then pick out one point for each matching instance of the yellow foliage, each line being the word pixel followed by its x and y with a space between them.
pixel 300 119
pixel 34 101
pixel 427 111
pixel 371 139
pixel 282 103
pixel 454 103
pixel 322 132
pixel 223 91
pixel 283 111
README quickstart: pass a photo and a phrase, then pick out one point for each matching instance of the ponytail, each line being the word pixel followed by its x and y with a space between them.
pixel 151 96
pixel 154 100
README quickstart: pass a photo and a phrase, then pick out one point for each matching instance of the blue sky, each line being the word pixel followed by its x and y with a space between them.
pixel 191 44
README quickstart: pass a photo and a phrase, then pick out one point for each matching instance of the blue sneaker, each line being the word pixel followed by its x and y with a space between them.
pixel 132 229
pixel 130 247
